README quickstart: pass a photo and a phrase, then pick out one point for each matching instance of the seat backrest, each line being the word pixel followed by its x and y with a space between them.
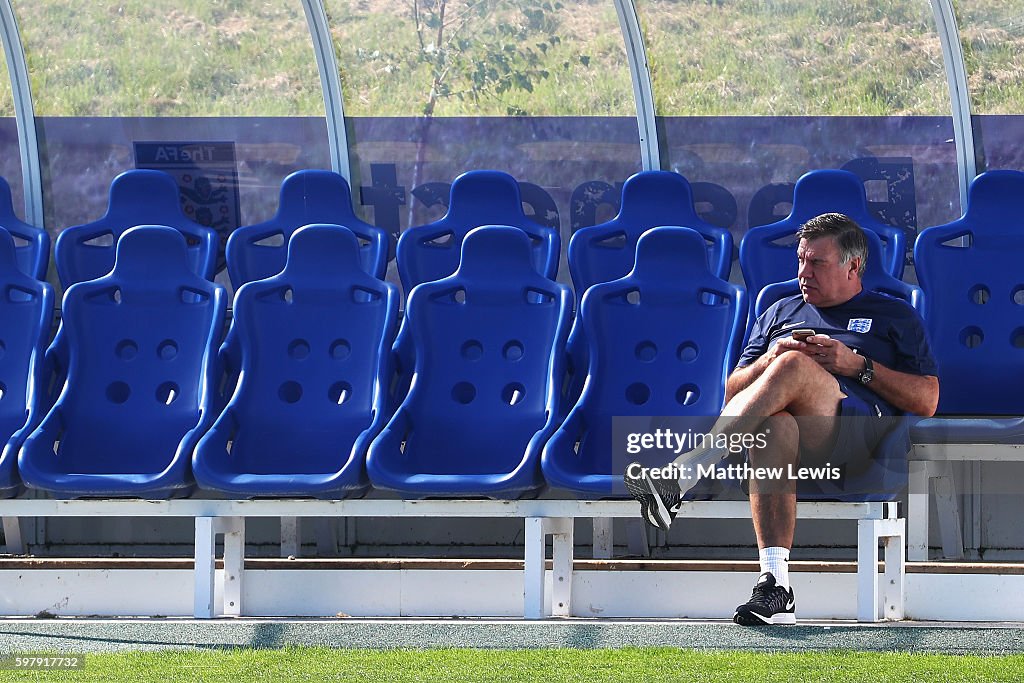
pixel 875 279
pixel 660 338
pixel 660 342
pixel 310 196
pixel 137 197
pixel 485 339
pixel 970 270
pixel 650 199
pixel 141 341
pixel 31 245
pixel 26 312
pixel 768 253
pixel 606 252
pixel 314 342
pixel 431 252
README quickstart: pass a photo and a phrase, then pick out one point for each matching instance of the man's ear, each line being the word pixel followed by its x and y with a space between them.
pixel 854 265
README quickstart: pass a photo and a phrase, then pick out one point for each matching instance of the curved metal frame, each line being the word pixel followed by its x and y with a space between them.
pixel 330 83
pixel 643 92
pixel 959 94
pixel 24 114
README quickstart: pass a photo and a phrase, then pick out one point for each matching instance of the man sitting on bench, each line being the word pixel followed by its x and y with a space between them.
pixel 834 351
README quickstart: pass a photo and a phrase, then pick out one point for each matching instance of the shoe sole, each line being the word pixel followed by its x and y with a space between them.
pixel 750 618
pixel 650 504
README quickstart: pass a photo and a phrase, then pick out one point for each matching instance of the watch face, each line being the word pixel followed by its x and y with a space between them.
pixel 866 376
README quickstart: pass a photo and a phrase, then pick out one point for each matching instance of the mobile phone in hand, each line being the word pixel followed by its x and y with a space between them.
pixel 802 335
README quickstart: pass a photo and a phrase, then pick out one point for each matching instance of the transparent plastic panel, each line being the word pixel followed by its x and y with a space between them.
pixel 224 96
pixel 539 89
pixel 752 94
pixel 10 153
pixel 794 57
pixel 481 57
pixel 992 36
pixel 170 58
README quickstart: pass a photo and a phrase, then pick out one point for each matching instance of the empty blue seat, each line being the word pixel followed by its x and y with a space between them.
pixel 26 314
pixel 85 252
pixel 606 252
pixel 768 253
pixel 488 343
pixel 137 197
pixel 32 245
pixel 660 343
pixel 141 344
pixel 315 340
pixel 258 251
pixel 650 199
pixel 431 252
pixel 974 313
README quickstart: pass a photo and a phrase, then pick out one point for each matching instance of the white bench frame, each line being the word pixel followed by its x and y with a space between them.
pixel 542 518
pixel 932 464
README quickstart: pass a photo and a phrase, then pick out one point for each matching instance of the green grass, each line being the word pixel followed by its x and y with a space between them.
pixel 550 666
pixel 708 57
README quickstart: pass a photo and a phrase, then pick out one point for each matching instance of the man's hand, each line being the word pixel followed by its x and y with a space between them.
pixel 831 354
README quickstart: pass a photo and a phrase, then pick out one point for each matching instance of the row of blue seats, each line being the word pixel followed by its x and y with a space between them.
pixel 649 199
pixel 310 402
pixel 980 237
pixel 309 416
pixel 426 253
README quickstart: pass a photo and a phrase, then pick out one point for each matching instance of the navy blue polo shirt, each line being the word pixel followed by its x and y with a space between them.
pixel 885 329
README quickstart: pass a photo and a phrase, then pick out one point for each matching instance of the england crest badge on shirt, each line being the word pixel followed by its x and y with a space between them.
pixel 861 325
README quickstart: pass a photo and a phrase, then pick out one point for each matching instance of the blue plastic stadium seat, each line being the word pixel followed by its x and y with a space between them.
pixel 488 343
pixel 315 340
pixel 606 252
pixel 650 199
pixel 85 252
pixel 26 314
pixel 137 197
pixel 660 343
pixel 430 252
pixel 970 270
pixel 768 253
pixel 258 251
pixel 141 343
pixel 32 245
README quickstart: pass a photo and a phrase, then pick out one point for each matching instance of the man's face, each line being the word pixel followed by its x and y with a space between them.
pixel 823 280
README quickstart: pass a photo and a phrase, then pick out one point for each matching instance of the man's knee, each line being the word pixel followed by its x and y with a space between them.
pixel 793 364
pixel 798 370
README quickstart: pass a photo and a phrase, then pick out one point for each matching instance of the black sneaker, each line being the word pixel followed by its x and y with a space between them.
pixel 770 603
pixel 659 498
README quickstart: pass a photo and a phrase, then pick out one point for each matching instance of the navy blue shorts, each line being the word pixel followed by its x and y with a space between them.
pixel 864 418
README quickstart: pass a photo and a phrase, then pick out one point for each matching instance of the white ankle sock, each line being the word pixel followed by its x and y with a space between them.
pixel 697 458
pixel 776 561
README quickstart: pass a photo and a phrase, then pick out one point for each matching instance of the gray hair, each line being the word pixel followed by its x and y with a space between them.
pixel 848 236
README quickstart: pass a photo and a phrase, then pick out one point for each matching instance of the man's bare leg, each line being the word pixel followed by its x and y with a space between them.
pixel 794 383
pixel 773 511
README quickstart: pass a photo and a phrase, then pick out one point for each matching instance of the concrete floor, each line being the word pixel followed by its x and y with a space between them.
pixel 83 635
